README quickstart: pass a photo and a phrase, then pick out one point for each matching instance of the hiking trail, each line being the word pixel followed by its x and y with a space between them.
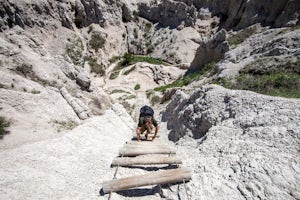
pixel 156 156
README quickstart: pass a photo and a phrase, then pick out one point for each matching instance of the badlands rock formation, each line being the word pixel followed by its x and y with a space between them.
pixel 247 145
pixel 209 51
pixel 273 49
pixel 241 14
pixel 72 166
pixel 56 58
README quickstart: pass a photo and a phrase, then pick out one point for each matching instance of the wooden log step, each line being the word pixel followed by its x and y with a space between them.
pixel 145 142
pixel 144 151
pixel 155 178
pixel 145 160
pixel 130 146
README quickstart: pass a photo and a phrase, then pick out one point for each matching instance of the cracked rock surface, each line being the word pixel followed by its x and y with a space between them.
pixel 240 144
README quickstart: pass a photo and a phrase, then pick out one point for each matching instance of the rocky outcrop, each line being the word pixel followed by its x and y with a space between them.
pixel 169 13
pixel 55 13
pixel 241 14
pixel 271 49
pixel 212 50
pixel 246 144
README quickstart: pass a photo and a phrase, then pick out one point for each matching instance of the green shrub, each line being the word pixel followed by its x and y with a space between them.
pixel 74 50
pixel 149 93
pixel 129 70
pixel 126 61
pixel 118 91
pixel 95 66
pixel 130 97
pixel 214 24
pixel 3 125
pixel 97 41
pixel 129 59
pixel 114 74
pixel 137 87
pixel 114 59
pixel 148 27
pixel 155 99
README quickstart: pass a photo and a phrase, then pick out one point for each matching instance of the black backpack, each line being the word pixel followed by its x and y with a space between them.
pixel 146 111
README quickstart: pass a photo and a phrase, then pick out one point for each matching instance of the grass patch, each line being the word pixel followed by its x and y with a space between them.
pixel 241 36
pixel 66 125
pixel 4 124
pixel 126 61
pixel 114 75
pixel 148 60
pixel 95 66
pixel 118 91
pixel 137 87
pixel 129 70
pixel 126 97
pixel 129 59
pixel 97 41
pixel 114 59
pixel 149 93
pixel 130 97
pixel 155 99
pixel 276 84
pixel 187 79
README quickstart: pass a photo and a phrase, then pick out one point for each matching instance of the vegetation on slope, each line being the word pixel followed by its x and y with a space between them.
pixel 95 66
pixel 74 49
pixel 241 36
pixel 130 59
pixel 283 80
pixel 97 41
pixel 188 78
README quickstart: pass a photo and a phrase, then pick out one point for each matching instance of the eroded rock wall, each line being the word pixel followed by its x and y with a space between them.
pixel 240 14
pixel 246 144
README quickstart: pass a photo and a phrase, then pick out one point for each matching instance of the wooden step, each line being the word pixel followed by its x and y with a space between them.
pixel 146 142
pixel 155 178
pixel 143 151
pixel 130 146
pixel 145 160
